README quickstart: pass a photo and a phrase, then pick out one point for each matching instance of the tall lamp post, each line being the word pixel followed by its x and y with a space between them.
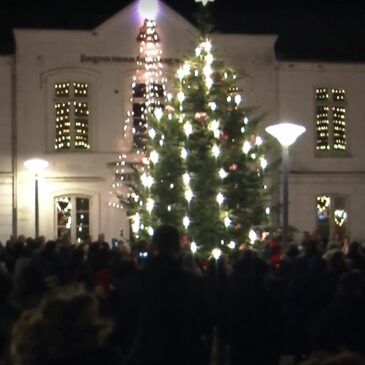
pixel 36 166
pixel 286 134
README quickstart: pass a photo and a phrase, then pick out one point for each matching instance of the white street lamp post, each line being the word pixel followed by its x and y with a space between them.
pixel 286 134
pixel 36 166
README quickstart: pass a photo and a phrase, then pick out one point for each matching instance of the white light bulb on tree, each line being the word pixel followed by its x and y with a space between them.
pixel 220 198
pixel 252 235
pixel 158 112
pixel 237 99
pixel 263 163
pixel 232 245
pixel 186 222
pixel 189 195
pixel 193 247
pixel 180 73
pixel 152 133
pixel 227 221
pixel 136 221
pixel 216 252
pixel 186 178
pixel 184 153
pixel 246 147
pixel 188 129
pixel 216 151
pixel 149 205
pixel 222 173
pixel 180 96
pixel 154 156
pixel 258 141
pixel 213 105
pixel 186 68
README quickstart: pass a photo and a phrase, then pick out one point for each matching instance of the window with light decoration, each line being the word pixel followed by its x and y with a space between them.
pixel 332 216
pixel 71 102
pixel 73 217
pixel 330 119
pixel 139 110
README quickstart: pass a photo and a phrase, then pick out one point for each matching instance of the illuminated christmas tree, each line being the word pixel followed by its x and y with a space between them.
pixel 202 164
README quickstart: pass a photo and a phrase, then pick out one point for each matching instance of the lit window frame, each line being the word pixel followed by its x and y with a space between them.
pixel 334 226
pixel 74 227
pixel 330 118
pixel 71 98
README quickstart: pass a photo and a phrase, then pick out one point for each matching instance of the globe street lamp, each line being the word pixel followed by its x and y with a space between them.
pixel 286 134
pixel 36 166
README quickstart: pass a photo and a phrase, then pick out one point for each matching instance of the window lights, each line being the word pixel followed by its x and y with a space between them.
pixel 73 217
pixel 72 116
pixel 332 216
pixel 330 119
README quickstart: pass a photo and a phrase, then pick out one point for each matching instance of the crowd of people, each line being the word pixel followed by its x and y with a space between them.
pixel 158 304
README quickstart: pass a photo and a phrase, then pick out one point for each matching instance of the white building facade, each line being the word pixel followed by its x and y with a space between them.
pixel 65 96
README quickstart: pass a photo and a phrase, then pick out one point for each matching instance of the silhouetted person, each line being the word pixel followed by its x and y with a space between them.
pixel 169 308
pixel 254 317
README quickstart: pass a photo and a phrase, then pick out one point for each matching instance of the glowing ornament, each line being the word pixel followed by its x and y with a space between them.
pixel 267 210
pixel 184 153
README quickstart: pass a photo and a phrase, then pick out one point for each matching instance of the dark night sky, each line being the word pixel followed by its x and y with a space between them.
pixel 307 29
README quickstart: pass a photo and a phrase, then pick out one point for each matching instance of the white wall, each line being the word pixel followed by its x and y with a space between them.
pixel 6 64
pixel 315 174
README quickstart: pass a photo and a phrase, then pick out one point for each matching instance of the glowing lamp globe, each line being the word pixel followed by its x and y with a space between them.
pixel 36 165
pixel 148 9
pixel 285 133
